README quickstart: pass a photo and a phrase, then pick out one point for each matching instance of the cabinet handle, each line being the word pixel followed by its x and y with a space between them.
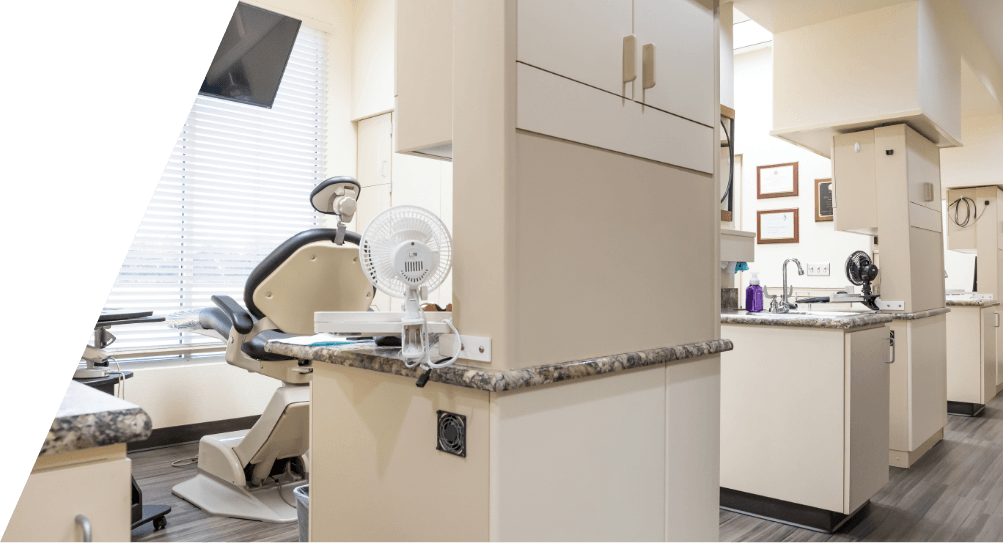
pixel 630 45
pixel 85 527
pixel 892 343
pixel 647 66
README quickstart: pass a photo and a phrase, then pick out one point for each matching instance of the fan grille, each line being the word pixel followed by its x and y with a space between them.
pixel 451 434
pixel 395 226
pixel 855 263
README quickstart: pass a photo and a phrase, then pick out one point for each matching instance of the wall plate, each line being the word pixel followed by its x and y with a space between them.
pixel 819 268
pixel 889 306
pixel 474 348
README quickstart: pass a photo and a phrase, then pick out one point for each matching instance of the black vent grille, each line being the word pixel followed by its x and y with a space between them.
pixel 451 433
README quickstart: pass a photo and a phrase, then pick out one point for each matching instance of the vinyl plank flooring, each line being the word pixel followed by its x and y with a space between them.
pixel 156 477
pixel 953 493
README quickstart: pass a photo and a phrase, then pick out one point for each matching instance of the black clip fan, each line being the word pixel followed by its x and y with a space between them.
pixel 861 271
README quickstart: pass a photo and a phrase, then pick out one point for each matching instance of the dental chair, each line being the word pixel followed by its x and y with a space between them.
pixel 251 474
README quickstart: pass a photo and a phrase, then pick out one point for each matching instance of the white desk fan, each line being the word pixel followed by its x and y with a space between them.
pixel 406 252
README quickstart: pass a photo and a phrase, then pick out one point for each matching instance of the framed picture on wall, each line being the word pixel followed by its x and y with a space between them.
pixel 777 226
pixel 777 180
pixel 824 200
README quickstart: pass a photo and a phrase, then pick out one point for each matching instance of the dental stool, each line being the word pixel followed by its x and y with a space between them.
pixel 251 474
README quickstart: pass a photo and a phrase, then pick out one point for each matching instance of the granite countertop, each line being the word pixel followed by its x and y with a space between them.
pixel 918 314
pixel 983 302
pixel 830 320
pixel 89 418
pixel 388 360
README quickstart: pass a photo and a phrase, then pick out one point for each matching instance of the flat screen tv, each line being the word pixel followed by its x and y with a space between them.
pixel 252 56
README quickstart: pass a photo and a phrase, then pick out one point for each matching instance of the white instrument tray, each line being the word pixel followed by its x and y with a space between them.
pixel 374 322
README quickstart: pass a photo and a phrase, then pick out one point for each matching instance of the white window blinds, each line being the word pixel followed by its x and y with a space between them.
pixel 235 187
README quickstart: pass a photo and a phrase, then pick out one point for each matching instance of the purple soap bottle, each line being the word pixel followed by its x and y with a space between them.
pixel 754 295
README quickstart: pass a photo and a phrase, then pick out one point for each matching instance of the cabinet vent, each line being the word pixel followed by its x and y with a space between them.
pixel 451 433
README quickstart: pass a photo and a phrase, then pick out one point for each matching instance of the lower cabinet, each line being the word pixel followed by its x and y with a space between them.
pixel 972 356
pixel 60 489
pixel 805 416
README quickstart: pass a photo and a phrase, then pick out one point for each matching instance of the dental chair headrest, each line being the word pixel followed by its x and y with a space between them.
pixel 336 196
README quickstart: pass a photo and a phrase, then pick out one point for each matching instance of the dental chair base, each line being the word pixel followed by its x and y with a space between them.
pixel 220 497
pixel 227 461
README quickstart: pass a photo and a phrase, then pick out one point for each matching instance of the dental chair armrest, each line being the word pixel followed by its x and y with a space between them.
pixel 241 319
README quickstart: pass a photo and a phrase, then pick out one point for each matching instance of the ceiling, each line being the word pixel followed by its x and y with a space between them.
pixel 780 15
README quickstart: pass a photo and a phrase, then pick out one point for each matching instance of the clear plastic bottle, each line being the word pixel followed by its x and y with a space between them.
pixel 754 295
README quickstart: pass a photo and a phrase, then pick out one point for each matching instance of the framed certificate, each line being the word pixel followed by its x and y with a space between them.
pixel 824 200
pixel 777 226
pixel 777 180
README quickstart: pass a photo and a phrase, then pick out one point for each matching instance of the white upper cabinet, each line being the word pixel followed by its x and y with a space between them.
pixel 582 40
pixel 682 32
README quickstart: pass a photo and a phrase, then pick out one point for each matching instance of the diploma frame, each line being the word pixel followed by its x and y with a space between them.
pixel 788 190
pixel 759 235
pixel 819 217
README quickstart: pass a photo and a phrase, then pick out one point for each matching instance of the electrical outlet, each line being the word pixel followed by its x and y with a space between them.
pixel 819 268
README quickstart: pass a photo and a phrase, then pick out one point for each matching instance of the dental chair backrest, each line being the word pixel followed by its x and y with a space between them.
pixel 309 272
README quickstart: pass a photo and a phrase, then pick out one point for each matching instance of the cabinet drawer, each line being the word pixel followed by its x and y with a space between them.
pixel 555 106
pixel 53 498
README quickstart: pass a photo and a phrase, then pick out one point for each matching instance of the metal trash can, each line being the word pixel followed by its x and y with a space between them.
pixel 302 494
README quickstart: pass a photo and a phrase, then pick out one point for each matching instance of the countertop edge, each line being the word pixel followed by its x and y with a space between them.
pixel 88 418
pixel 849 322
pixel 505 380
pixel 78 432
pixel 972 303
pixel 917 315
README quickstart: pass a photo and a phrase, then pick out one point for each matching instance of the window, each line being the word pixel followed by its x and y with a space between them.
pixel 235 187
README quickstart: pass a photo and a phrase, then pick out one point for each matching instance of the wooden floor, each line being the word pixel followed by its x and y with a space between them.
pixel 156 477
pixel 953 493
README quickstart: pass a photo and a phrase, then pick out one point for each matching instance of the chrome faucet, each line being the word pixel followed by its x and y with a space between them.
pixel 784 306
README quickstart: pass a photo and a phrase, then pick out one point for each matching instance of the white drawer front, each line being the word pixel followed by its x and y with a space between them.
pixel 555 106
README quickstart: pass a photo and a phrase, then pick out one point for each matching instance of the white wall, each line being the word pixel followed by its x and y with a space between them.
pixel 818 242
pixel 179 394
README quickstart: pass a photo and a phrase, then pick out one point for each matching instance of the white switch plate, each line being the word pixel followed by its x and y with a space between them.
pixel 819 268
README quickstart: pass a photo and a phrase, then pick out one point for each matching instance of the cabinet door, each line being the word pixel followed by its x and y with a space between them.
pixel 855 199
pixel 988 353
pixel 683 32
pixel 52 499
pixel 374 152
pixel 582 40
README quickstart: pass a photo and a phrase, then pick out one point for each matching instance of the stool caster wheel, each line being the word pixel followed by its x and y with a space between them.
pixel 160 524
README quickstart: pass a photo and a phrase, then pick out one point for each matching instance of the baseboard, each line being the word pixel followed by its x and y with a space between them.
pixel 967 409
pixel 174 435
pixel 794 514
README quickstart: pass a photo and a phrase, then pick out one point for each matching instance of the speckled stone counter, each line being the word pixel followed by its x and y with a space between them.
pixel 851 321
pixel 919 314
pixel 89 418
pixel 972 303
pixel 388 360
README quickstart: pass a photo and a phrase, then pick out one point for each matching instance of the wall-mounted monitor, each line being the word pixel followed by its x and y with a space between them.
pixel 252 56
